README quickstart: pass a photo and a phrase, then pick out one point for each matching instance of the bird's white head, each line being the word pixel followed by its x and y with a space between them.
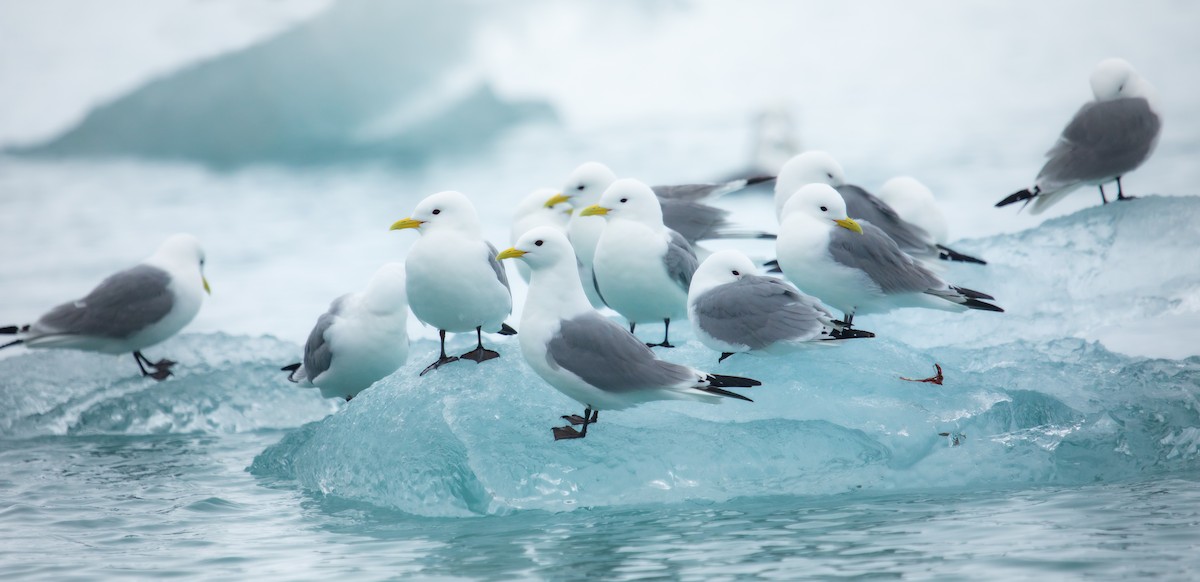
pixel 181 253
pixel 628 199
pixel 386 291
pixel 587 182
pixel 820 202
pixel 540 248
pixel 914 202
pixel 444 210
pixel 720 268
pixel 1116 78
pixel 811 167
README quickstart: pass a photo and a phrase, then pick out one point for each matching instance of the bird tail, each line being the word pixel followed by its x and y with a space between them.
pixel 946 253
pixel 1025 195
pixel 292 370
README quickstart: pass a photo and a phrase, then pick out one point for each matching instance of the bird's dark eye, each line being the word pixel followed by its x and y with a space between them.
pixel 624 200
pixel 537 243
pixel 829 174
pixel 437 211
pixel 823 209
pixel 579 187
pixel 1121 88
pixel 735 273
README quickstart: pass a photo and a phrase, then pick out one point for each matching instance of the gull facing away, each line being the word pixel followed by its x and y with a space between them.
pixel 817 167
pixel 130 310
pixel 855 267
pixel 733 309
pixel 542 207
pixel 455 282
pixel 587 356
pixel 642 268
pixel 914 202
pixel 361 339
pixel 1109 137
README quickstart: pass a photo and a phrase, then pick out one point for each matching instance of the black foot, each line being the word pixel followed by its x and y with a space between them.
pixel 662 345
pixel 506 329
pixel 480 355
pixel 577 420
pixel 850 333
pixel 438 364
pixel 164 364
pixel 566 432
pixel 9 330
pixel 1124 197
pixel 723 356
pixel 159 374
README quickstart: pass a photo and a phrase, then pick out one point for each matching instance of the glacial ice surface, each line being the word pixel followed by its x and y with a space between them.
pixel 1029 398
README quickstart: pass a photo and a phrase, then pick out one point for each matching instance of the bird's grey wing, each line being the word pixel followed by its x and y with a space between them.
pixel 318 353
pixel 496 266
pixel 680 260
pixel 861 204
pixel 608 357
pixel 1104 139
pixel 881 259
pixel 693 220
pixel 757 311
pixel 121 305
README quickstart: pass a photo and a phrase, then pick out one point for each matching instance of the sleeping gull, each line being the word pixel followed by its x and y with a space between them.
pixel 914 202
pixel 856 267
pixel 131 309
pixel 1108 138
pixel 588 357
pixel 642 268
pixel 542 207
pixel 734 309
pixel 362 338
pixel 455 282
pixel 817 167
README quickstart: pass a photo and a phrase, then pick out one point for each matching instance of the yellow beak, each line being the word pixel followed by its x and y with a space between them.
pixel 406 223
pixel 557 199
pixel 594 210
pixel 849 224
pixel 510 253
pixel 207 289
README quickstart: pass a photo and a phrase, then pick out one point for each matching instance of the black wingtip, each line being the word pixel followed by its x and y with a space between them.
pixel 726 393
pixel 946 253
pixel 767 236
pixel 290 367
pixel 10 330
pixel 973 294
pixel 506 329
pixel 1025 194
pixel 12 343
pixel 772 266
pixel 980 305
pixel 759 179
pixel 722 381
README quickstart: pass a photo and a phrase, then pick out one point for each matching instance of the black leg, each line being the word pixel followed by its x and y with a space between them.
pixel 1121 193
pixel 1102 196
pixel 632 326
pixel 847 320
pixel 162 368
pixel 479 355
pixel 666 343
pixel 443 359
pixel 569 432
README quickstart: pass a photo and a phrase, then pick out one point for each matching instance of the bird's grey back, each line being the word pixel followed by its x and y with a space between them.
pixel 318 354
pixel 862 205
pixel 875 253
pixel 680 260
pixel 607 356
pixel 1105 139
pixel 697 192
pixel 496 266
pixel 757 311
pixel 121 305
pixel 693 220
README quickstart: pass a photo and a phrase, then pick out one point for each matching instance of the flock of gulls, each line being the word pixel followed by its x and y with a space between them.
pixel 602 242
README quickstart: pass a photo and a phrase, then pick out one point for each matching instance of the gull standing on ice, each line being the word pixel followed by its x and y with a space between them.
pixel 642 268
pixel 585 355
pixel 455 282
pixel 130 310
pixel 361 339
pixel 1108 138
pixel 856 267
pixel 817 167
pixel 543 207
pixel 734 309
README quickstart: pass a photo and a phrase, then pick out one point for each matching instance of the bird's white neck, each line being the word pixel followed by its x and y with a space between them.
pixel 557 291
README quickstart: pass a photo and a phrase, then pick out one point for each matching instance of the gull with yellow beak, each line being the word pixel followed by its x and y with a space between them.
pixel 455 282
pixel 585 355
pixel 130 310
pixel 542 207
pixel 855 267
pixel 642 269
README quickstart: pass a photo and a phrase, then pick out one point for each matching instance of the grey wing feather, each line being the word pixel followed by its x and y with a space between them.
pixel 1105 139
pixel 696 192
pixel 693 220
pixel 496 266
pixel 121 305
pixel 680 260
pixel 882 260
pixel 758 311
pixel 861 204
pixel 610 358
pixel 318 354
